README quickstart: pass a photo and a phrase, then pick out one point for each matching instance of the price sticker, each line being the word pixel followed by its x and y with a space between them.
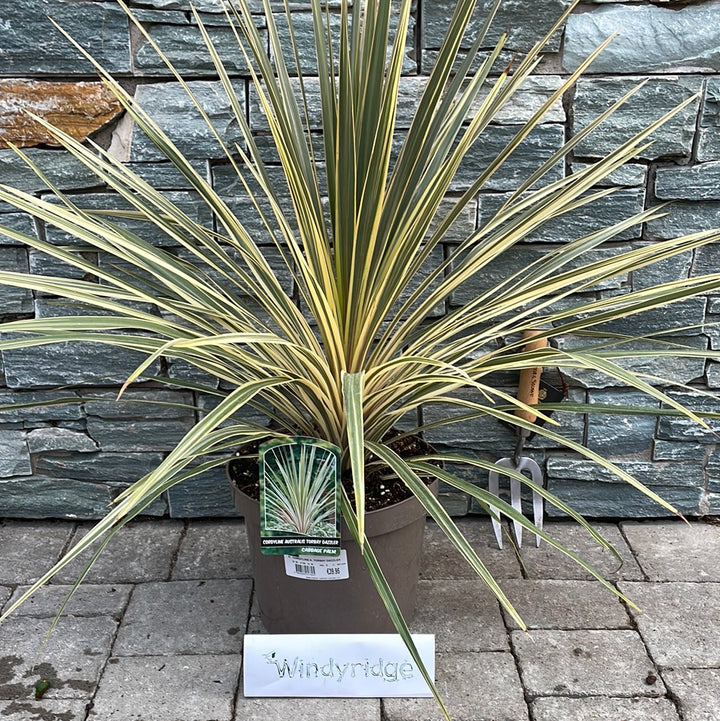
pixel 315 568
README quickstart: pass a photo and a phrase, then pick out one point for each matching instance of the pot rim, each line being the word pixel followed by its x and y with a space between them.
pixel 377 522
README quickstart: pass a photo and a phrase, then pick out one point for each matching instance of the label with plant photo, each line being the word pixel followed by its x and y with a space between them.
pixel 299 497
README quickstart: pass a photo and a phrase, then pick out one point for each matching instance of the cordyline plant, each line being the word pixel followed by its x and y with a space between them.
pixel 361 350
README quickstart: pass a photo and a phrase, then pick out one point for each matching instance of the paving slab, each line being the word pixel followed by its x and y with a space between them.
pixel 441 560
pixel 43 710
pixel 548 562
pixel 603 709
pixel 680 622
pixel 552 604
pixel 204 617
pixel 307 709
pixel 71 660
pixel 585 663
pixel 463 615
pixel 167 688
pixel 675 551
pixel 142 551
pixel 581 661
pixel 697 691
pixel 475 687
pixel 88 600
pixel 213 549
pixel 29 548
pixel 255 625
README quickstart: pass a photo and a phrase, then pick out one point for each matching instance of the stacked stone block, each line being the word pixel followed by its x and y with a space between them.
pixel 70 459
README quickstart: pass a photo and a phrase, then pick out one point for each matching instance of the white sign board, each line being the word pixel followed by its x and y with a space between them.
pixel 336 665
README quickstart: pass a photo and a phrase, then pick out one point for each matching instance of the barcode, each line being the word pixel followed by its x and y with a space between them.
pixel 305 569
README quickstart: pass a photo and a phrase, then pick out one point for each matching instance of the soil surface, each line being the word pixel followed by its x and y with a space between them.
pixel 382 487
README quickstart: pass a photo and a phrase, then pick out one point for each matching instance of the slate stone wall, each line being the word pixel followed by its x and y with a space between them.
pixel 71 458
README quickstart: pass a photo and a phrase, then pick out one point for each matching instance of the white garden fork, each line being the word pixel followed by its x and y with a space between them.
pixel 528 393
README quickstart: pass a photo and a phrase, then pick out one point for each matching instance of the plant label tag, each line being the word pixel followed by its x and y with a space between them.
pixel 299 497
pixel 345 665
pixel 314 568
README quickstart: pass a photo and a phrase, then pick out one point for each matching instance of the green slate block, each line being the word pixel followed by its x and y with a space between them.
pixel 713 471
pixel 673 367
pixel 710 115
pixel 674 268
pixel 620 435
pixel 525 23
pixel 156 508
pixel 630 175
pixel 14 454
pixel 121 435
pixel 699 182
pixel 143 420
pixel 685 429
pixel 596 215
pixel 714 305
pixel 708 144
pixel 62 364
pixel 271 254
pixel 713 375
pixel 258 121
pixel 599 214
pixel 61 169
pixel 680 451
pixel 164 175
pixel 227 184
pixel 32 45
pixel 139 404
pixel 707 260
pixel 597 500
pixel 12 410
pixel 657 97
pixel 680 318
pixel 184 46
pixel 188 203
pixel 709 131
pixel 41 263
pixel 18 222
pixel 206 495
pixel 666 473
pixel 14 300
pixel 43 497
pixel 302 23
pixel 204 6
pixel 54 439
pixel 713 504
pixel 526 101
pixel 99 466
pixel 538 147
pixel 683 218
pixel 173 110
pixel 478 434
pixel 571 425
pixel 507 265
pixel 649 39
pixel 207 403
